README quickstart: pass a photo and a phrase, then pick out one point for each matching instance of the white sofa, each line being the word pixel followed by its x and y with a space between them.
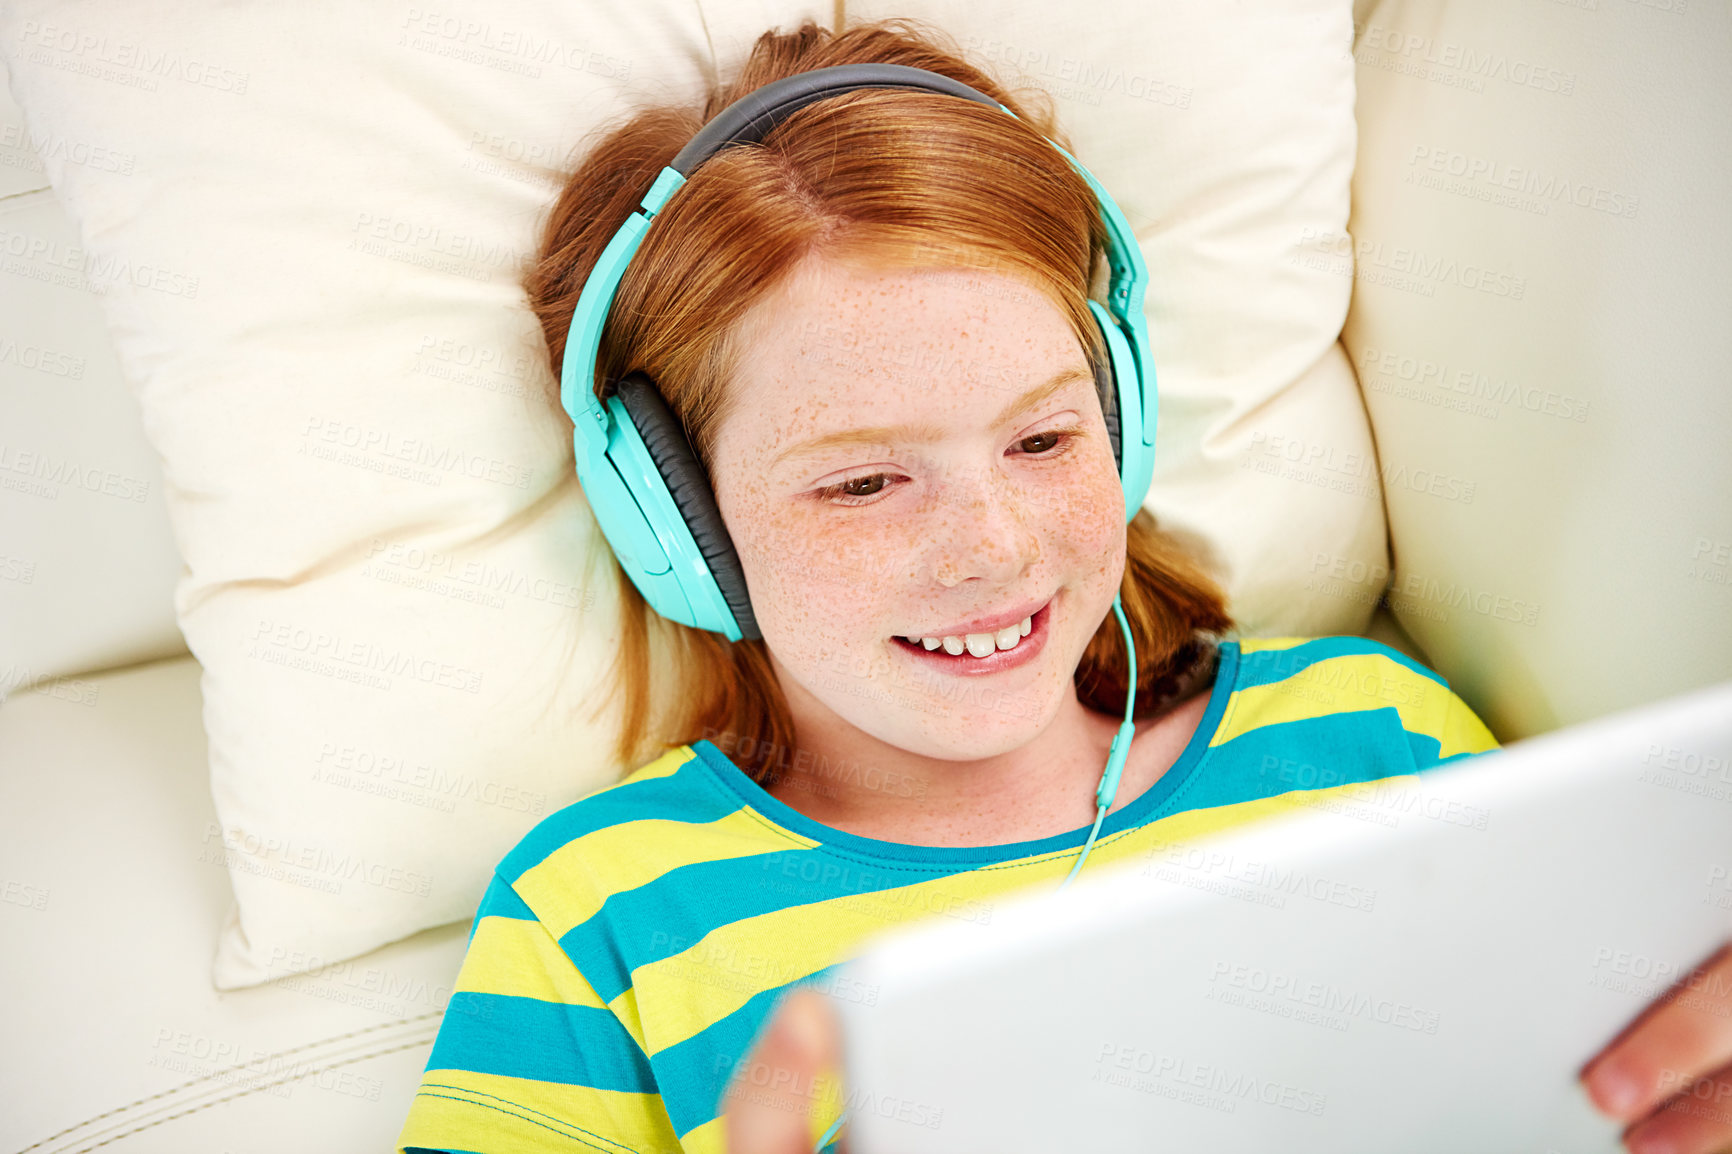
pixel 1552 429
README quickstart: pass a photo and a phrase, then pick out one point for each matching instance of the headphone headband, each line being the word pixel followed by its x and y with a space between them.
pixel 753 117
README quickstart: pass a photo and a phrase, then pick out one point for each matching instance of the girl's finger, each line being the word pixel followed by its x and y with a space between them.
pixel 770 1105
pixel 1697 1120
pixel 1686 1034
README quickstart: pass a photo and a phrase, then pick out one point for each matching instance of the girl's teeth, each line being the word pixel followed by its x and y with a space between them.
pixel 978 644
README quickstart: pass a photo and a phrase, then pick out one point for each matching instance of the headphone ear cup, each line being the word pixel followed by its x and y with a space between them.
pixel 1106 384
pixel 664 438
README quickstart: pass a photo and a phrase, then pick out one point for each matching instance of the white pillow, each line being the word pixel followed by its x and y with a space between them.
pixel 387 551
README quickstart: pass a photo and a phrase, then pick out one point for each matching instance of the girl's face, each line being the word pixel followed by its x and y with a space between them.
pixel 920 453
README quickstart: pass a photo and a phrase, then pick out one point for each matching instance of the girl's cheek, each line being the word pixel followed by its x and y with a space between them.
pixel 1086 511
pixel 808 567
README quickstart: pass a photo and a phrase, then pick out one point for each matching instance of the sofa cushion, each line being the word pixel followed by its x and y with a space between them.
pixel 88 563
pixel 114 883
pixel 1540 327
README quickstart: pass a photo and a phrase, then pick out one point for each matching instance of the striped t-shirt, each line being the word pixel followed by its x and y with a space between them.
pixel 629 949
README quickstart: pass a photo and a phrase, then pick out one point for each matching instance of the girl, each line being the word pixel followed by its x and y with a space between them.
pixel 873 328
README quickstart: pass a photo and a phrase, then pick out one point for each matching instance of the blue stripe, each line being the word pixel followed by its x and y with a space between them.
pixel 674 912
pixel 1423 748
pixel 518 1037
pixel 1311 753
pixel 670 797
pixel 696 1073
pixel 1455 757
pixel 500 901
pixel 1267 666
pixel 593 951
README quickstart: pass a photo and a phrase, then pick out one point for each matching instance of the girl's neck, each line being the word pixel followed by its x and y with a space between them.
pixel 855 783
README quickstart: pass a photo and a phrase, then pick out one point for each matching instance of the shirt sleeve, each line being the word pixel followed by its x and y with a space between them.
pixel 528 1057
pixel 1447 728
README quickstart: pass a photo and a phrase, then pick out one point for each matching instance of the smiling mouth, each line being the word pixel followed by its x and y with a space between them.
pixel 982 652
pixel 976 645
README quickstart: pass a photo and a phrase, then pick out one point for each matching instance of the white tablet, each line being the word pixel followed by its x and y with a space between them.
pixel 1447 1008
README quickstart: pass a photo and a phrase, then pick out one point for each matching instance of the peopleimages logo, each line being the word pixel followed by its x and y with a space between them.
pixel 1380 366
pixel 1461 65
pixel 122 61
pixel 329 438
pixel 39 474
pixel 1218 1087
pixel 235 845
pixel 353 659
pixel 1547 188
pixel 43 258
pixel 41 359
pixel 1330 1000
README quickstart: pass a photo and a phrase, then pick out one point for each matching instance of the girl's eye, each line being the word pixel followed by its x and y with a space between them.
pixel 855 490
pixel 1050 445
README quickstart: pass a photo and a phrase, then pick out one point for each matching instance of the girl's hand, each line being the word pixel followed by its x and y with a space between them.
pixel 768 1109
pixel 1670 1071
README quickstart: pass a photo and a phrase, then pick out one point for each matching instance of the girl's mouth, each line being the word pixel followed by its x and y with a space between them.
pixel 1004 649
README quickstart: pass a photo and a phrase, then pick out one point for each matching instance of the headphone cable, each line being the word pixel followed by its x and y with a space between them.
pixel 1104 794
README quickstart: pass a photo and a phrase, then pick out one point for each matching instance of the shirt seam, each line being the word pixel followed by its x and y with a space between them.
pixel 933 869
pixel 469 1097
pixel 578 970
pixel 1168 807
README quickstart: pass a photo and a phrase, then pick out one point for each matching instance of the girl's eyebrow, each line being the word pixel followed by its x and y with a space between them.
pixel 926 434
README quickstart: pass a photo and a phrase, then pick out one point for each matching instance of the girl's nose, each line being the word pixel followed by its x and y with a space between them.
pixel 984 530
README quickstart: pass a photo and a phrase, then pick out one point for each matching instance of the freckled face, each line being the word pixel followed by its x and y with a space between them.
pixel 945 489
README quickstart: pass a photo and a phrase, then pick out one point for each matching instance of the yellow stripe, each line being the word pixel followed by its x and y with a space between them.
pixel 1194 824
pixel 624 1008
pixel 708 1138
pixel 504 1115
pixel 666 765
pixel 1462 730
pixel 568 887
pixel 1355 683
pixel 719 973
pixel 1259 644
pixel 826 1106
pixel 519 959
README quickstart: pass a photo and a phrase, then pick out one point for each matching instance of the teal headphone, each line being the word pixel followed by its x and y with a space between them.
pixel 644 482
